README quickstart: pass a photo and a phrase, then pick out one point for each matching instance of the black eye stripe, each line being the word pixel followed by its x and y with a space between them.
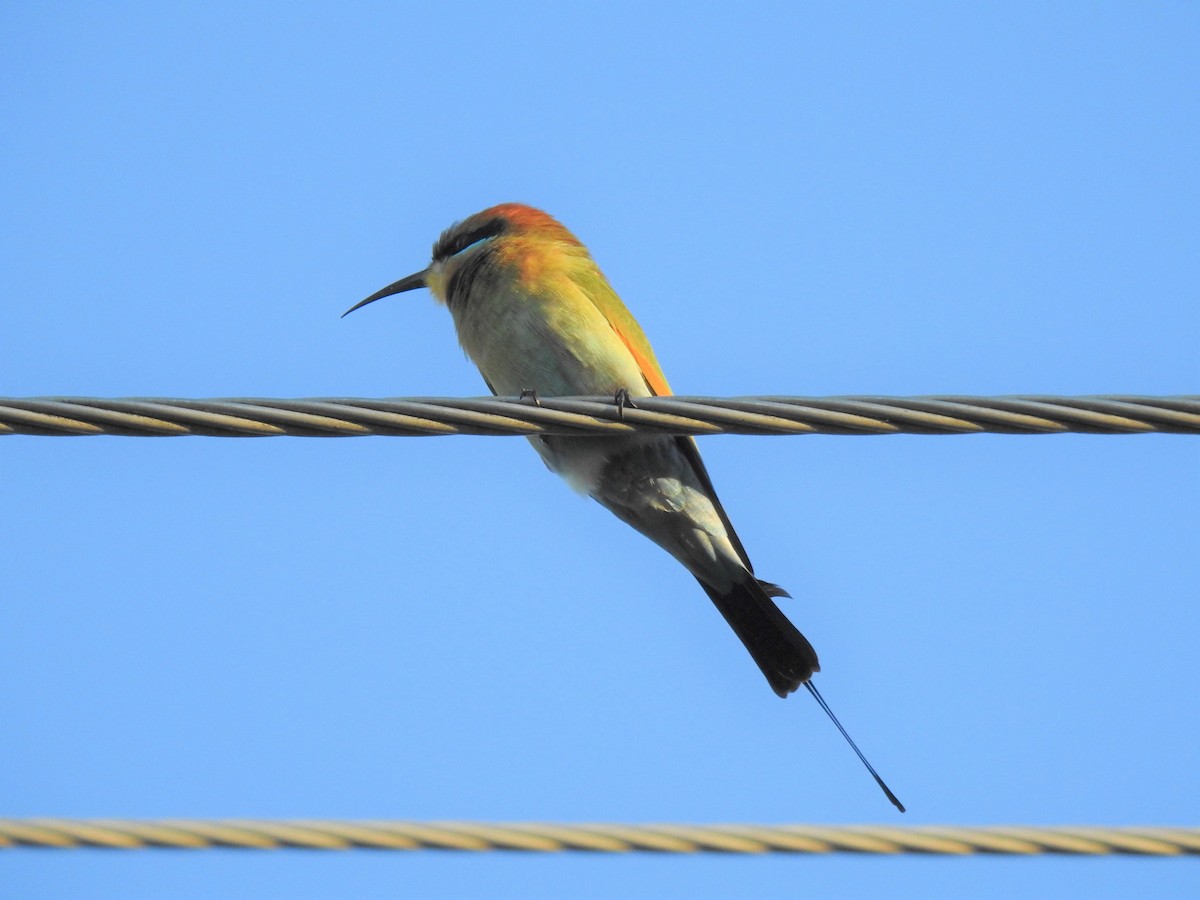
pixel 454 240
pixel 462 281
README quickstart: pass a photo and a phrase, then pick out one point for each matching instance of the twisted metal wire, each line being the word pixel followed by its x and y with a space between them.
pixel 197 834
pixel 354 417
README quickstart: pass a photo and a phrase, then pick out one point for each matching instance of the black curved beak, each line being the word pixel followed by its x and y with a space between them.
pixel 408 283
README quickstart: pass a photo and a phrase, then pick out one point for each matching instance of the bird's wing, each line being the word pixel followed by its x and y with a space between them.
pixel 631 334
pixel 687 446
pixel 605 299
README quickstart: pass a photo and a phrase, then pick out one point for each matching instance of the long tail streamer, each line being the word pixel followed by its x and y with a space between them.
pixel 870 768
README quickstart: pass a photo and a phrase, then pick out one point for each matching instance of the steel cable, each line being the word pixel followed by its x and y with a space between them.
pixel 311 834
pixel 415 416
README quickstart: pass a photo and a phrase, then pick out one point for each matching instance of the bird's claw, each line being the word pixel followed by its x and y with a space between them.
pixel 622 400
pixel 530 394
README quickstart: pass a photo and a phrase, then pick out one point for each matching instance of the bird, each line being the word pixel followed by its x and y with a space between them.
pixel 536 315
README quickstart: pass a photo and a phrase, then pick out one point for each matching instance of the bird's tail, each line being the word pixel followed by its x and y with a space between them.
pixel 781 651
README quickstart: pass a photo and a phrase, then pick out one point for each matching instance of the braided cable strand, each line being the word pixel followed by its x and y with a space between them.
pixel 194 834
pixel 356 417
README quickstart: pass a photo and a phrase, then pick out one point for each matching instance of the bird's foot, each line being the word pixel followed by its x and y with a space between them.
pixel 530 394
pixel 622 400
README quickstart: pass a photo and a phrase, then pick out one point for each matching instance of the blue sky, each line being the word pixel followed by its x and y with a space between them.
pixel 819 199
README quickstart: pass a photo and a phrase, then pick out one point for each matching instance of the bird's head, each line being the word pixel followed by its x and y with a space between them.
pixel 508 226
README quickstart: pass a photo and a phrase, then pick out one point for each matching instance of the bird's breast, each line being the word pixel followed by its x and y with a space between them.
pixel 548 337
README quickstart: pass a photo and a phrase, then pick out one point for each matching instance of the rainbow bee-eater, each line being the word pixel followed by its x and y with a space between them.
pixel 537 316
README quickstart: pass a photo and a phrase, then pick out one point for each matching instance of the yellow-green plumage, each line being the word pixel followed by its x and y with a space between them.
pixel 540 311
